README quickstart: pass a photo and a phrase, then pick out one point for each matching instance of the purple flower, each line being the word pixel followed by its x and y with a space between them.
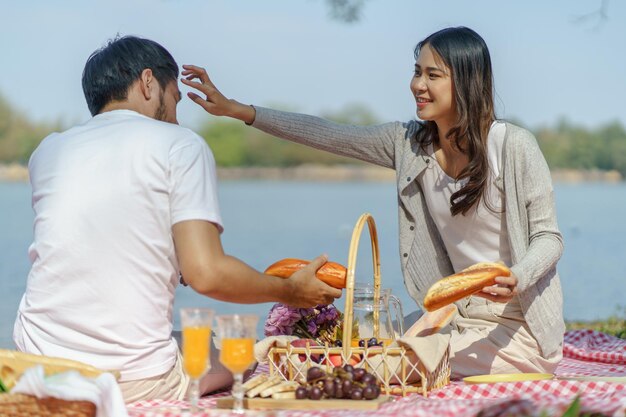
pixel 312 328
pixel 309 323
pixel 281 320
pixel 327 315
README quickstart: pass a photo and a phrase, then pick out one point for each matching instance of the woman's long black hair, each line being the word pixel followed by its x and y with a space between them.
pixel 466 56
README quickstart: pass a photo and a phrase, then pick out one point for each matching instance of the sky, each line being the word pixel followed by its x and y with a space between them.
pixel 548 64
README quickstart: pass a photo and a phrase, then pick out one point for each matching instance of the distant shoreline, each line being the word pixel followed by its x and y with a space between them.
pixel 15 172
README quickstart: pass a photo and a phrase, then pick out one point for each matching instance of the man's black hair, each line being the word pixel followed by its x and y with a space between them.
pixel 112 69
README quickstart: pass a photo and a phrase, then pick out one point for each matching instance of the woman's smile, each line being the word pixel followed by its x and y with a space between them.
pixel 422 102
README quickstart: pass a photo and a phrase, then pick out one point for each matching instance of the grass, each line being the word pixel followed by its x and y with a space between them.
pixel 614 325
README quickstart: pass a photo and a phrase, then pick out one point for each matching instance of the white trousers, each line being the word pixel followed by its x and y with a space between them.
pixel 173 385
pixel 493 338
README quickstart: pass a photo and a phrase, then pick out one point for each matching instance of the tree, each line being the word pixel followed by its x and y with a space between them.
pixel 19 136
pixel 599 15
pixel 348 11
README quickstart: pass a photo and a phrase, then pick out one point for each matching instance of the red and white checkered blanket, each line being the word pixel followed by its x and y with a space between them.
pixel 586 353
pixel 591 345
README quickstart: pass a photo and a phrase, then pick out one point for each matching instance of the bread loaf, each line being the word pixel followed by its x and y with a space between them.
pixel 331 273
pixel 463 284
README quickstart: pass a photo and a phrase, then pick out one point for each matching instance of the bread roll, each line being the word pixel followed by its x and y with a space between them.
pixel 331 273
pixel 467 282
pixel 270 382
pixel 285 386
pixel 255 381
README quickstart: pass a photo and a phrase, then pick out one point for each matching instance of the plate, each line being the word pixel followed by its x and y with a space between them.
pixel 491 379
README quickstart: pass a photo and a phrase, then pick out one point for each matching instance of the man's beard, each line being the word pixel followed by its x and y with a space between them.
pixel 159 114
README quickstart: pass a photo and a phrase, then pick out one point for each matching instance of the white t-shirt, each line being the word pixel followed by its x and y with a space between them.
pixel 481 235
pixel 104 269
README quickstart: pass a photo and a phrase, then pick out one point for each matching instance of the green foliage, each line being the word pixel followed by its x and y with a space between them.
pixel 614 325
pixel 18 136
pixel 573 147
pixel 348 11
pixel 574 409
pixel 352 114
pixel 228 142
pixel 236 145
pixel 565 146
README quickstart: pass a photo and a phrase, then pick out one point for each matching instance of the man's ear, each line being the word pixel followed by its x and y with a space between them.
pixel 146 83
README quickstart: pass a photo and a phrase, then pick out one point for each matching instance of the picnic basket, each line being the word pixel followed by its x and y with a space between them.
pixel 398 369
pixel 21 405
pixel 13 364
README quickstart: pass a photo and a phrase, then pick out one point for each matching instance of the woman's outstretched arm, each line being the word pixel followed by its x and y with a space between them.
pixel 374 144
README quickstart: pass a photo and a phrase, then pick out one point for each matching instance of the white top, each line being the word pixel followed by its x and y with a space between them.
pixel 104 270
pixel 480 235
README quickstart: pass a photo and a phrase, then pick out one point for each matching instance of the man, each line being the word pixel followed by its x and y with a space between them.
pixel 123 203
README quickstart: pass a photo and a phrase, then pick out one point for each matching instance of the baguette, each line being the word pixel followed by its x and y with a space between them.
pixel 331 273
pixel 463 284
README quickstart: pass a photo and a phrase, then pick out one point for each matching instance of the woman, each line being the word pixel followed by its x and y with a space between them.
pixel 470 189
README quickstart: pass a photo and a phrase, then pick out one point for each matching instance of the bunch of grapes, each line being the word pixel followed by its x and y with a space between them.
pixel 371 342
pixel 343 382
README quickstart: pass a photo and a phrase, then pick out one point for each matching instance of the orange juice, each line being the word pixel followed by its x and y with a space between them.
pixel 196 350
pixel 237 354
pixel 386 342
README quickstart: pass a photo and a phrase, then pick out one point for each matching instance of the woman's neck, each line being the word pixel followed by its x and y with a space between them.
pixel 451 159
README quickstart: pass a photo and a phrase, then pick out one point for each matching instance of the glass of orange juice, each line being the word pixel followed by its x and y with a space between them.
pixel 196 324
pixel 237 335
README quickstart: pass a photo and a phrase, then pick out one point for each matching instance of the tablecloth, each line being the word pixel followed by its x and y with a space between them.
pixel 586 353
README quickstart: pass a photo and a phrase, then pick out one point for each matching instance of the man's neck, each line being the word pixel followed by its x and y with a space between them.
pixel 119 105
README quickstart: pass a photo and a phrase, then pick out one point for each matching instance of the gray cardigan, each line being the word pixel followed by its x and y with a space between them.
pixel 535 240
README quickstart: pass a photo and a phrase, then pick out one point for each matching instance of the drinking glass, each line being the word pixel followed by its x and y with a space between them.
pixel 196 324
pixel 237 335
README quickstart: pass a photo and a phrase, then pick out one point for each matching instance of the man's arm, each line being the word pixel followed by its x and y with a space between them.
pixel 211 272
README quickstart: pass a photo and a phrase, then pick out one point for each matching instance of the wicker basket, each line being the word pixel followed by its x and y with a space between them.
pixel 20 405
pixel 398 369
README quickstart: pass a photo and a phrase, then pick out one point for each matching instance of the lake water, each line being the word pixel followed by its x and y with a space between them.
pixel 266 221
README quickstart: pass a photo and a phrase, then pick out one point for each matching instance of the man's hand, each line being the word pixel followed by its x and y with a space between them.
pixel 504 290
pixel 215 102
pixel 308 290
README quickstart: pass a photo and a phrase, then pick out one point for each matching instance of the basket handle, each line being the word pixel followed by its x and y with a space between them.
pixel 348 316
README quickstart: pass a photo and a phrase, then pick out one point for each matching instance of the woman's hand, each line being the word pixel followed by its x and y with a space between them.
pixel 504 290
pixel 215 102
